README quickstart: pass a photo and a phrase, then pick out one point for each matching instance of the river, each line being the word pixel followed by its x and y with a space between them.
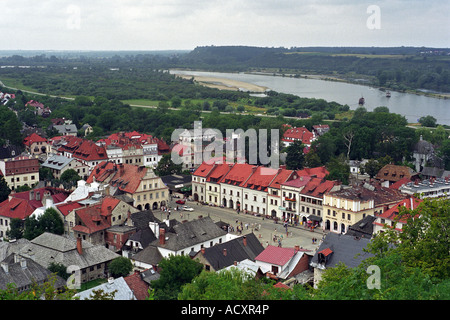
pixel 411 106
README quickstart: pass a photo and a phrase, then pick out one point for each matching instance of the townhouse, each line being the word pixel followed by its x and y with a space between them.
pixel 274 200
pixel 343 208
pixel 20 171
pixel 232 186
pixel 140 183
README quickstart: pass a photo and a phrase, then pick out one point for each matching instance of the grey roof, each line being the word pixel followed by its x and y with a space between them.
pixel 66 128
pixel 23 277
pixel 362 228
pixel 346 249
pixel 123 290
pixel 150 255
pixel 48 248
pixel 190 233
pixel 150 275
pixel 236 251
pixel 57 162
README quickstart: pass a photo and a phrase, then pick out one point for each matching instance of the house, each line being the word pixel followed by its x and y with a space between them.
pixel 20 171
pixel 24 273
pixel 66 129
pixel 91 261
pixel 423 154
pixel 343 208
pixel 388 218
pixel 39 108
pixel 301 134
pixel 433 172
pixel 362 228
pixel 9 151
pixel 229 253
pixel 138 285
pixel 199 181
pixel 36 145
pixel 282 263
pixel 58 164
pixel 391 173
pixel 428 188
pixel 274 198
pixel 321 129
pixel 311 200
pixel 23 204
pixel 232 185
pixel 189 237
pixel 255 189
pixel 86 129
pixel 118 287
pixel 92 221
pixel 138 182
pixel 338 248
pixel 212 184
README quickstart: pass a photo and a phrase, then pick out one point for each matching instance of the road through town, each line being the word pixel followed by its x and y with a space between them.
pixel 265 229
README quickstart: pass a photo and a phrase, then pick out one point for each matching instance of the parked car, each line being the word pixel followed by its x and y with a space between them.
pixel 180 201
pixel 186 208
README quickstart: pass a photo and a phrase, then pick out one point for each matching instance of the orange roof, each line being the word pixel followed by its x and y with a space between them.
pixel 68 207
pixel 218 172
pixel 89 151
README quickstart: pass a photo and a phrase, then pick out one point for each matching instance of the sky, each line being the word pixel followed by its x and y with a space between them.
pixel 186 24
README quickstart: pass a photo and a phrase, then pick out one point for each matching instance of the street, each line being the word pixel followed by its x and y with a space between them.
pixel 267 231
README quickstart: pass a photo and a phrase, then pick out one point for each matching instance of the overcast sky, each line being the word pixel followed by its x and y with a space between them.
pixel 185 24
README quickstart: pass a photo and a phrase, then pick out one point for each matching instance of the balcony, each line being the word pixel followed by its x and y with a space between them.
pixel 290 199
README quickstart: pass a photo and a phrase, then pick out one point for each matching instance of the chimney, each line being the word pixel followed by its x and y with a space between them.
pixel 31 194
pixel 79 246
pixel 203 250
pixel 244 241
pixel 225 252
pixel 38 195
pixel 297 248
pixel 162 236
pixel 5 266
pixel 23 263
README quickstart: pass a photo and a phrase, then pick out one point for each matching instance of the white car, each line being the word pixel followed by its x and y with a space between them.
pixel 186 208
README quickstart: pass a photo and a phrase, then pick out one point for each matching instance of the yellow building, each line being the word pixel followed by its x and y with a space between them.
pixel 347 206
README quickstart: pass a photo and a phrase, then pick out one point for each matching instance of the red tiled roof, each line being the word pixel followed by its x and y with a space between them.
pixel 319 172
pixel 299 182
pixel 203 170
pixel 318 187
pixel 326 251
pixel 89 151
pixel 302 134
pixel 218 172
pixel 276 255
pixel 92 219
pixel 408 203
pixel 16 208
pixel 139 286
pixel 239 174
pixel 68 207
pixel 126 177
pixel 34 137
pixel 261 178
pixel 399 183
pixel 282 176
pixel 280 285
pixel 37 196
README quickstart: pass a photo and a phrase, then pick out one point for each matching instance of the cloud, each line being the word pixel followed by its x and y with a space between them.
pixel 184 24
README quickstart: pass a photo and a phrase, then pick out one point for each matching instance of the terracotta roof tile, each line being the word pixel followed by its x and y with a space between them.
pixel 276 255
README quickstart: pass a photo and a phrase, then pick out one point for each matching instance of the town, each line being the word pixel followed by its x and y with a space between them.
pixel 86 206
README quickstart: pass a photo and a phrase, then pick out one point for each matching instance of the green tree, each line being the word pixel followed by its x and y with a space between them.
pixel 120 267
pixel 4 189
pixel 167 167
pixel 70 175
pixel 295 158
pixel 338 170
pixel 175 272
pixel 15 229
pixel 428 121
pixel 49 221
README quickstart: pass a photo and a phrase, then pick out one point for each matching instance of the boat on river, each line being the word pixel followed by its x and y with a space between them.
pixel 361 101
